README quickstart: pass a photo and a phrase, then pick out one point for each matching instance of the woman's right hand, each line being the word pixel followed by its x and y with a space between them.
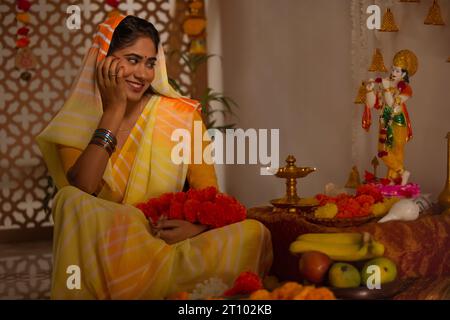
pixel 112 85
pixel 173 231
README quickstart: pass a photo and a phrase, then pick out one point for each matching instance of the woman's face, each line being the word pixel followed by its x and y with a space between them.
pixel 396 73
pixel 138 61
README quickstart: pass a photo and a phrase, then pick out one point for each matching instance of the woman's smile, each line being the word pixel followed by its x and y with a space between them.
pixel 135 86
pixel 138 61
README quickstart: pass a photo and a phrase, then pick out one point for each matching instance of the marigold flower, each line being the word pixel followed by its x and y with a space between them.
pixel 246 283
pixel 205 206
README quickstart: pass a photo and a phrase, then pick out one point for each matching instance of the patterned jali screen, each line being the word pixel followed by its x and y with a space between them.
pixel 27 106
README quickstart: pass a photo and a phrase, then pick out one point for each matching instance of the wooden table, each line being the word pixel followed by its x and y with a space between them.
pixel 420 248
pixel 433 288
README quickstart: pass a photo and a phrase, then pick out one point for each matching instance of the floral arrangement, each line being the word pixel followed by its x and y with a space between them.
pixel 204 206
pixel 208 289
pixel 392 188
pixel 410 190
pixel 250 285
pixel 349 206
pixel 369 200
pixel 214 288
pixel 370 178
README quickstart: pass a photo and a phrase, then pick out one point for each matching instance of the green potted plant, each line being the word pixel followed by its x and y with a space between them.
pixel 222 104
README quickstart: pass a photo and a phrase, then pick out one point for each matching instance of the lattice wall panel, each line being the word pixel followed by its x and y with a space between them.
pixel 25 277
pixel 26 107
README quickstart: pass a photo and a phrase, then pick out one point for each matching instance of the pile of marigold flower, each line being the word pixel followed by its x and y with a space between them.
pixel 294 291
pixel 205 206
pixel 349 206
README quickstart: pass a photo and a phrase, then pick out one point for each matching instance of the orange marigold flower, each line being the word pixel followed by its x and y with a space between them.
pixel 320 294
pixel 179 296
pixel 261 294
pixel 287 291
pixel 303 293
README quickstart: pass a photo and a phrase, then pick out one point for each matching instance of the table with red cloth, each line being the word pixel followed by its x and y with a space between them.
pixel 420 248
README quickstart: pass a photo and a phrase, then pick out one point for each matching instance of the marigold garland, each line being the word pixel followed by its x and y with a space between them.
pixel 24 60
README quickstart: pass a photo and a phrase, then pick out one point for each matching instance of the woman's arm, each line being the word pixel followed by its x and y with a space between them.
pixel 87 172
pixel 202 175
pixel 173 231
pixel 69 156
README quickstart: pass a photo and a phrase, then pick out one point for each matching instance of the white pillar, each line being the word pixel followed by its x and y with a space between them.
pixel 215 80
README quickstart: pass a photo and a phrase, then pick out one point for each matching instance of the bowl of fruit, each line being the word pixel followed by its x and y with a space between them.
pixel 352 265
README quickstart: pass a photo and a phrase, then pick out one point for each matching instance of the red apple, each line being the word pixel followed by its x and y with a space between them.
pixel 313 266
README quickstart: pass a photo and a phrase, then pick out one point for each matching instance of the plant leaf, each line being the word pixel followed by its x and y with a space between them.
pixel 174 83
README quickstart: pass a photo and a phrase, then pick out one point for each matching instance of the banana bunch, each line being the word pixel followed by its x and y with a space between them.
pixel 339 246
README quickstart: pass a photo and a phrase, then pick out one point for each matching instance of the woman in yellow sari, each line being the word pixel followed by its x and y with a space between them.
pixel 109 148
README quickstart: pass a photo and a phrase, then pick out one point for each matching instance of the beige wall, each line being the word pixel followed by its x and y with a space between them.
pixel 287 63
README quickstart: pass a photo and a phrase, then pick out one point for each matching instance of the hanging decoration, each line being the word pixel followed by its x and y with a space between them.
pixel 25 61
pixel 377 62
pixel 361 96
pixel 114 4
pixel 434 16
pixel 388 24
pixel 360 58
pixel 195 26
pixel 354 180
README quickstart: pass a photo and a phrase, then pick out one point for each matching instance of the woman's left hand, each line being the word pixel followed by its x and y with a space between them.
pixel 173 231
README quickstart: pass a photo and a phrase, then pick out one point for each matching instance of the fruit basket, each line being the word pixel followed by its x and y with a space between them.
pixel 338 222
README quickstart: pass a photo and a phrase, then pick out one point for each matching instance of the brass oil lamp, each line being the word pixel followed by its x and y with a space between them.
pixel 291 201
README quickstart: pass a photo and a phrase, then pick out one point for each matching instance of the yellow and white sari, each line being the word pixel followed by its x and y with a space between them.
pixel 106 236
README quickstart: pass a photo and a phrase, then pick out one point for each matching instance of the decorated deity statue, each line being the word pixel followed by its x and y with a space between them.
pixel 389 95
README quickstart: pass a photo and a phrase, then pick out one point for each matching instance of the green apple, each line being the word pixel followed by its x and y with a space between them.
pixel 387 268
pixel 344 275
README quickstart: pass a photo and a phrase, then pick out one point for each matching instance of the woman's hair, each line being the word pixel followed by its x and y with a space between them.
pixel 129 30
